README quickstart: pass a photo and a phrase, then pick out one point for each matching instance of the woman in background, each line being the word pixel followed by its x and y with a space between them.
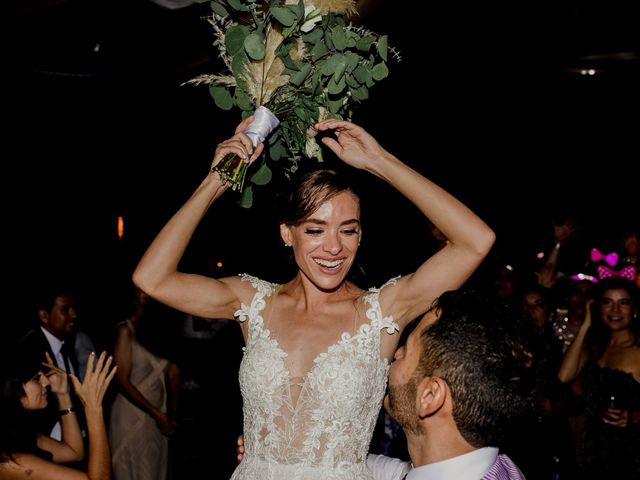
pixel 140 419
pixel 606 351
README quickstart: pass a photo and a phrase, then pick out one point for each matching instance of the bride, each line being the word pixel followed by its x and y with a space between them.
pixel 317 347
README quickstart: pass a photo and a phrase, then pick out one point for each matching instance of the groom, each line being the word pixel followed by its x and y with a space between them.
pixel 465 372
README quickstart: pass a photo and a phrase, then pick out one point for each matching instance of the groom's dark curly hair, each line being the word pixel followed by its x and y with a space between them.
pixel 490 356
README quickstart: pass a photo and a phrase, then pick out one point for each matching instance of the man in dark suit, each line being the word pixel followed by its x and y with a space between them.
pixel 55 335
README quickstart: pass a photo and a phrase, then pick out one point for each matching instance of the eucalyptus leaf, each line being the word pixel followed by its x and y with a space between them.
pixel 335 106
pixel 246 199
pixel 351 81
pixel 352 60
pixel 218 9
pixel 289 63
pixel 262 176
pixel 318 51
pixel 285 16
pixel 254 46
pixel 380 71
pixel 364 43
pixel 303 114
pixel 221 96
pixel 287 31
pixel 369 82
pixel 234 38
pixel 351 39
pixel 239 65
pixel 330 65
pixel 314 36
pixel 383 47
pixel 237 5
pixel 340 68
pixel 277 151
pixel 336 87
pixel 360 94
pixel 243 101
pixel 316 84
pixel 360 74
pixel 328 42
pixel 338 38
pixel 297 10
pixel 299 77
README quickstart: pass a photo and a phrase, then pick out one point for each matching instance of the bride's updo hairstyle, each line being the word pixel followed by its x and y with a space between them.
pixel 308 192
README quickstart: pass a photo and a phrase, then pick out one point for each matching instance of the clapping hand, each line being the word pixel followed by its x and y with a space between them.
pixel 91 391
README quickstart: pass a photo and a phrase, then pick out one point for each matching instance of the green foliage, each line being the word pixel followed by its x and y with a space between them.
pixel 335 70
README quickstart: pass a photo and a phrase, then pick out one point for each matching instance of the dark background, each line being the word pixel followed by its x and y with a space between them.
pixel 487 101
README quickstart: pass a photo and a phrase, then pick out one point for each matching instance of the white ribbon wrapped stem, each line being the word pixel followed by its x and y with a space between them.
pixel 263 123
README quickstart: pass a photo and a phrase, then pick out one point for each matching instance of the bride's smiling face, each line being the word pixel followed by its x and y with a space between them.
pixel 326 243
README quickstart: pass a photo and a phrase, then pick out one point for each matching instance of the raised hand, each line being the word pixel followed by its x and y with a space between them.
pixel 562 231
pixel 240 144
pixel 91 391
pixel 353 145
pixel 57 377
pixel 547 276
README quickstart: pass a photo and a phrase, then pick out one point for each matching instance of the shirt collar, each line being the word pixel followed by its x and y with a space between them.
pixel 470 466
pixel 55 343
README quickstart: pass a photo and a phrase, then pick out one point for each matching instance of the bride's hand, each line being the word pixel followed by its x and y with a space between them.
pixel 352 144
pixel 240 144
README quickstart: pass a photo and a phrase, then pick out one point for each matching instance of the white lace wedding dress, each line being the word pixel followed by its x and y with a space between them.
pixel 325 434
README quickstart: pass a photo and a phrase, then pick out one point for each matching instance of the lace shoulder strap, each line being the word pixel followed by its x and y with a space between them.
pixel 374 312
pixel 252 312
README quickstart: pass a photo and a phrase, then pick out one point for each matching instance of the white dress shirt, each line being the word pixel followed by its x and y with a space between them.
pixel 56 346
pixel 470 466
pixel 387 468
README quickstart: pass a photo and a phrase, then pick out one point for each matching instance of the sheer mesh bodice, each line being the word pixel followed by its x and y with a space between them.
pixel 325 433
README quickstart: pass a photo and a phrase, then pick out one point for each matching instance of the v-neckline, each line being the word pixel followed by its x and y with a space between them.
pixel 344 338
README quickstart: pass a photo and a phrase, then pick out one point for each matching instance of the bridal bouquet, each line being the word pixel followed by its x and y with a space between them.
pixel 291 63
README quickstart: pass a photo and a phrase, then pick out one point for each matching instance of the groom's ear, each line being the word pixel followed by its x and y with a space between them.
pixel 431 395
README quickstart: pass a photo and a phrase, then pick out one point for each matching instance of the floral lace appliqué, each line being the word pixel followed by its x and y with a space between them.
pixel 326 433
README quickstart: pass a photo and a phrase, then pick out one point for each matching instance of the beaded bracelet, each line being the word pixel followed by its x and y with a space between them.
pixel 66 411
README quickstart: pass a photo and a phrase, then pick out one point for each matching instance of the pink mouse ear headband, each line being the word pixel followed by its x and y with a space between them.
pixel 603 271
pixel 628 273
pixel 610 258
pixel 579 277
